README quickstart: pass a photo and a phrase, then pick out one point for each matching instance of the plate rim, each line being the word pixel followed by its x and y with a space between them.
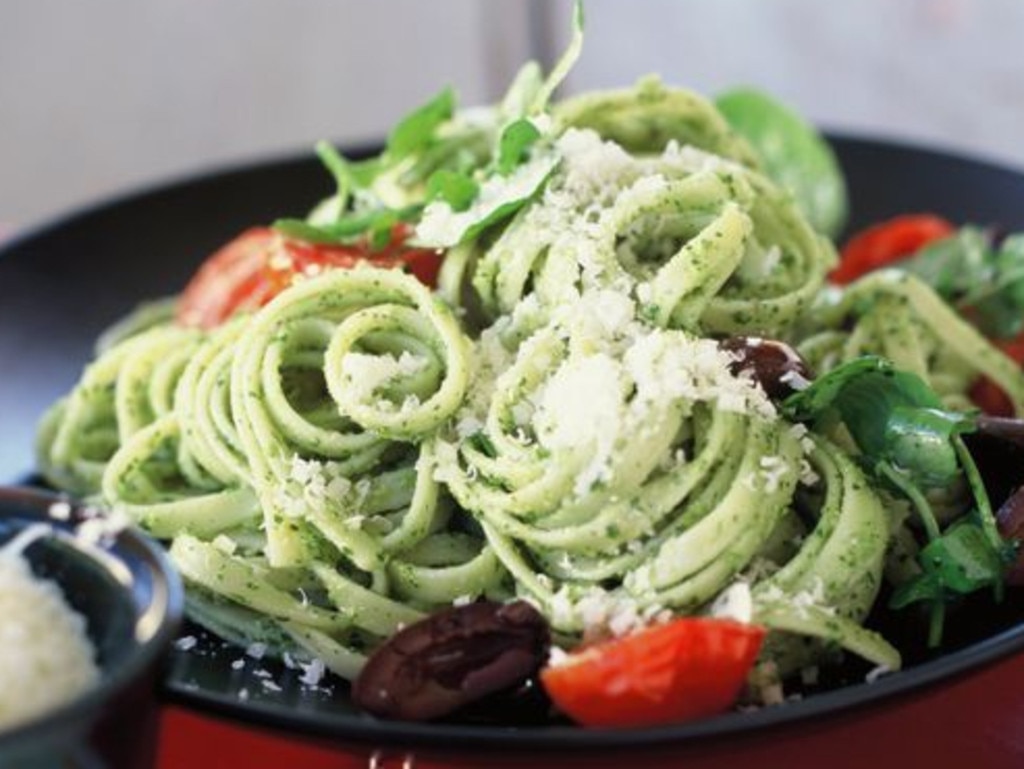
pixel 365 729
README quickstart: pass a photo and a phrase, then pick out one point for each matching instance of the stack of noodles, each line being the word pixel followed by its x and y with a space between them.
pixel 557 422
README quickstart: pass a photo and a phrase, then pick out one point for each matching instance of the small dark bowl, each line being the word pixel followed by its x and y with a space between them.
pixel 132 603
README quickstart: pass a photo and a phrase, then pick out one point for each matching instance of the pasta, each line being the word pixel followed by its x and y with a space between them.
pixel 558 421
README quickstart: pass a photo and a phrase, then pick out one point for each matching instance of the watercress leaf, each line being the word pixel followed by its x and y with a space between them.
pixel 564 64
pixel 926 586
pixel 954 266
pixel 500 197
pixel 381 229
pixel 893 416
pixel 462 153
pixel 339 168
pixel 1001 313
pixel 814 401
pixel 793 154
pixel 304 230
pixel 918 440
pixel 349 227
pixel 964 559
pixel 365 171
pixel 967 271
pixel 514 144
pixel 333 208
pixel 455 189
pixel 416 130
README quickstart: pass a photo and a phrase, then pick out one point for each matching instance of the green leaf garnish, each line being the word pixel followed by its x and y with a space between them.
pixel 911 444
pixel 416 130
pixel 500 197
pixel 892 415
pixel 967 271
pixel 794 155
pixel 375 224
pixel 514 144
pixel 456 189
pixel 334 207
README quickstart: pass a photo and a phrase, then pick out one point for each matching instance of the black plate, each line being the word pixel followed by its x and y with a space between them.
pixel 61 284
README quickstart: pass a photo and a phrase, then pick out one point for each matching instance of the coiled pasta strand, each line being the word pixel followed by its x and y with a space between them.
pixel 702 243
pixel 125 389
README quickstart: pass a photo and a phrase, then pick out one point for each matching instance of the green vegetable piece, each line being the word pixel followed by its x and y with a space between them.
pixel 893 416
pixel 961 561
pixel 455 189
pixel 334 207
pixel 350 227
pixel 441 227
pixel 965 558
pixel 919 438
pixel 300 229
pixel 968 272
pixel 793 153
pixel 381 228
pixel 954 266
pixel 515 142
pixel 416 130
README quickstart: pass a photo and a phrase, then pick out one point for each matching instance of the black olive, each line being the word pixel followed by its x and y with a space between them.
pixel 436 666
pixel 997 447
pixel 1010 519
pixel 775 366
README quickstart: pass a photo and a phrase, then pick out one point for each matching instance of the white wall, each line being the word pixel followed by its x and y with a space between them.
pixel 946 72
pixel 97 95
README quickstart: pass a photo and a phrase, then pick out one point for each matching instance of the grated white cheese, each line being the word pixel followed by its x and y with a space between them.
pixel 312 672
pixel 48 660
pixel 602 614
pixel 876 673
pixel 60 511
pixel 735 602
pixel 773 469
pixel 366 374
pixel 256 650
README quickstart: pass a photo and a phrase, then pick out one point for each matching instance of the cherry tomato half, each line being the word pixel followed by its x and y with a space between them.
pixel 888 242
pixel 252 269
pixel 689 668
pixel 986 394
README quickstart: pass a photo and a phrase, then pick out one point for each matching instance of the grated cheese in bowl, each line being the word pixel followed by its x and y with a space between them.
pixel 48 660
pixel 88 608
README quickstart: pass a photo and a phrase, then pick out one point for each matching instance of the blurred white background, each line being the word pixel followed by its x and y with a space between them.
pixel 103 95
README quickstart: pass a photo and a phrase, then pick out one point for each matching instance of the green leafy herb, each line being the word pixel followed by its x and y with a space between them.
pixel 967 271
pixel 334 207
pixel 456 189
pixel 959 562
pixel 443 227
pixel 417 129
pixel 893 416
pixel 375 224
pixel 793 153
pixel 516 139
pixel 911 444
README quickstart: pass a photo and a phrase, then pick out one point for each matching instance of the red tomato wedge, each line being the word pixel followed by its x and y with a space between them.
pixel 888 242
pixel 986 394
pixel 252 269
pixel 689 668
